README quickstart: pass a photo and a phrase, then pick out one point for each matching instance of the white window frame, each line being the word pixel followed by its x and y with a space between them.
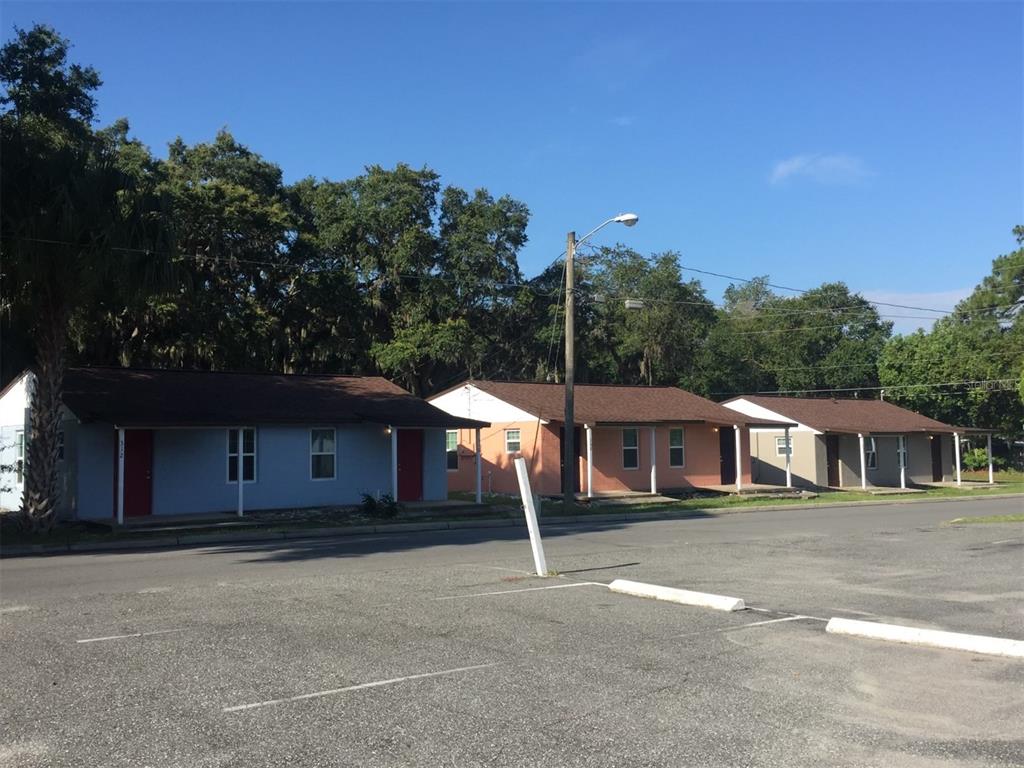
pixel 518 440
pixel 902 452
pixel 781 446
pixel 870 454
pixel 332 453
pixel 681 447
pixel 449 451
pixel 635 448
pixel 232 458
pixel 19 456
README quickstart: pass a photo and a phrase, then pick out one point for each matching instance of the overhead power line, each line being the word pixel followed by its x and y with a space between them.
pixel 974 383
pixel 526 285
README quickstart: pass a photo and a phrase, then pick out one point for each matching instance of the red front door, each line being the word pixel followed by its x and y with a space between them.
pixel 138 472
pixel 410 464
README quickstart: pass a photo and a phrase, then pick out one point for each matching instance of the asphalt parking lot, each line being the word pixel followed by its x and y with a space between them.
pixel 440 649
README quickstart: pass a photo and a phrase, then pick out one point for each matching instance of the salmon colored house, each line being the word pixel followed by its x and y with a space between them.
pixel 628 438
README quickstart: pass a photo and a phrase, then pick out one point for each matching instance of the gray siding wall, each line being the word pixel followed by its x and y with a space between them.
pixel 770 468
pixel 820 461
pixel 95 471
pixel 849 462
pixel 919 460
pixel 190 469
pixel 435 465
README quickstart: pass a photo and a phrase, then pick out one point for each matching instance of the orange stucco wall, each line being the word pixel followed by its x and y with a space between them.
pixel 497 472
pixel 541 447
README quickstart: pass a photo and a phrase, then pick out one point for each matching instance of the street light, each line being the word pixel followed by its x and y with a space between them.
pixel 569 441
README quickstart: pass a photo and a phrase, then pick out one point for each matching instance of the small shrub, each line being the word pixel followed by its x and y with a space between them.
pixel 383 508
pixel 977 458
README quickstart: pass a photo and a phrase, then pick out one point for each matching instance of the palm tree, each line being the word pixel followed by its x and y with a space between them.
pixel 74 220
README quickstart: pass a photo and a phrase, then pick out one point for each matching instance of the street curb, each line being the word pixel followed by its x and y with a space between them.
pixel 198 539
pixel 932 638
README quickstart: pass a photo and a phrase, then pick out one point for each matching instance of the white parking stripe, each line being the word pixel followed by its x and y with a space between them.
pixel 15 608
pixel 775 621
pixel 361 686
pixel 528 589
pixel 134 634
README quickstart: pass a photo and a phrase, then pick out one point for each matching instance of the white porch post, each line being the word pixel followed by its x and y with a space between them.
pixel 863 463
pixel 120 476
pixel 789 459
pixel 241 477
pixel 394 462
pixel 654 461
pixel 991 474
pixel 590 460
pixel 956 456
pixel 902 460
pixel 739 457
pixel 479 486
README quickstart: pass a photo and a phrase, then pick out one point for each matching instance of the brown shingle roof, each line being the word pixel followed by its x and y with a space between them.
pixel 848 415
pixel 155 398
pixel 613 404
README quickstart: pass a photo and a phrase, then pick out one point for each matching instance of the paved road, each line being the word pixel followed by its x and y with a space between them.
pixel 563 673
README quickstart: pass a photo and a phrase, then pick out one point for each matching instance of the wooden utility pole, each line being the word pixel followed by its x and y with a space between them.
pixel 569 441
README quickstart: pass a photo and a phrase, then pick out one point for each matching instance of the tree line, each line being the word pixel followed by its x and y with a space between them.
pixel 206 258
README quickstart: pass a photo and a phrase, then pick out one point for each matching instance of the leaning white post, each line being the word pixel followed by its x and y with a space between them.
pixel 956 456
pixel 654 461
pixel 531 517
pixel 991 474
pixel 590 460
pixel 394 462
pixel 241 478
pixel 903 460
pixel 479 485
pixel 863 463
pixel 120 476
pixel 739 457
pixel 789 459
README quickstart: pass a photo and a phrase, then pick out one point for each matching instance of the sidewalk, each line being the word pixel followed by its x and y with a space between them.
pixel 187 540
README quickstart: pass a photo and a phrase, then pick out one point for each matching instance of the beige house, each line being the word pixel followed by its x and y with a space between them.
pixel 845 443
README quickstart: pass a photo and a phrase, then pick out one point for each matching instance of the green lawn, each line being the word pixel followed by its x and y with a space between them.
pixel 499 506
pixel 724 502
pixel 1001 476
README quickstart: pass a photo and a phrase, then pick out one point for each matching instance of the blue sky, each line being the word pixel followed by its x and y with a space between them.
pixel 875 143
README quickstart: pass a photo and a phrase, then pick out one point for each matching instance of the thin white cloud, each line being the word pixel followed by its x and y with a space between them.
pixel 909 320
pixel 623 121
pixel 820 168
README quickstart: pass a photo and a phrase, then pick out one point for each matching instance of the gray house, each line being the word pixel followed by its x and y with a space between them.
pixel 847 443
pixel 158 442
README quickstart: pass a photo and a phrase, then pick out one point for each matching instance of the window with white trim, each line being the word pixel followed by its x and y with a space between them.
pixel 19 456
pixel 321 453
pixel 676 448
pixel 870 453
pixel 513 441
pixel 901 452
pixel 248 455
pixel 630 448
pixel 784 445
pixel 451 438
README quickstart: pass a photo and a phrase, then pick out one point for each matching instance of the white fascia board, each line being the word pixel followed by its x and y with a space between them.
pixel 14 402
pixel 760 412
pixel 471 402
